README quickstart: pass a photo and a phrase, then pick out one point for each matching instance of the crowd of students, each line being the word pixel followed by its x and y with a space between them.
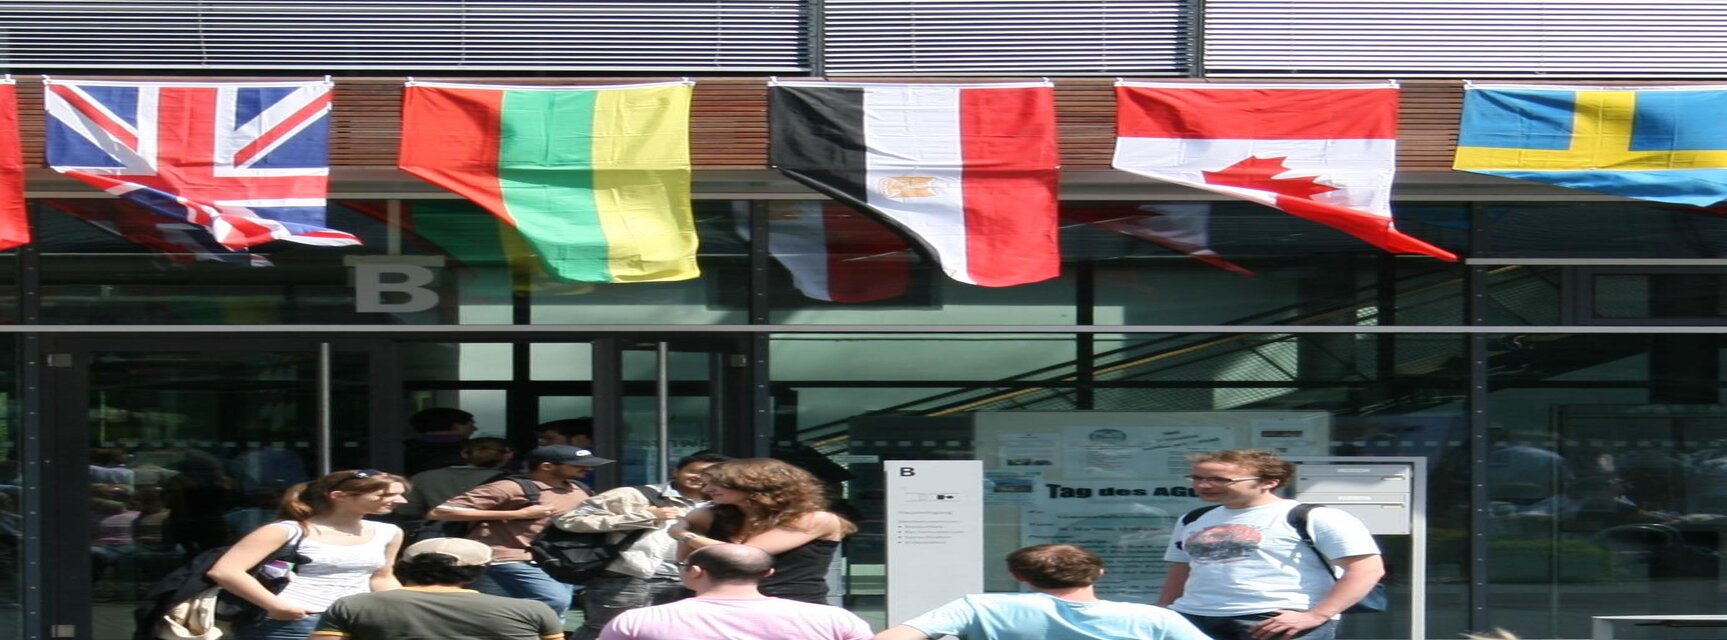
pixel 732 548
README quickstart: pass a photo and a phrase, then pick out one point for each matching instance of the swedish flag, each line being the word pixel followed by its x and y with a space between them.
pixel 1667 144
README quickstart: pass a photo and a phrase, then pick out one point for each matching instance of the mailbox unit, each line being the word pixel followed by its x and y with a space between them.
pixel 1389 495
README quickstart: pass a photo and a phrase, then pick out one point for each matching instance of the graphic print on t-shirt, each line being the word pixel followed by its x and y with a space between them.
pixel 1222 543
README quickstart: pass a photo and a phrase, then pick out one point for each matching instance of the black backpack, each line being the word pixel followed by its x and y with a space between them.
pixel 576 558
pixel 188 580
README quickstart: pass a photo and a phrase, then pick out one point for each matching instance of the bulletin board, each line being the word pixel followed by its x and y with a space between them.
pixel 1113 482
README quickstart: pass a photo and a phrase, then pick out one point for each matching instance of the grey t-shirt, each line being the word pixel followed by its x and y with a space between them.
pixel 425 613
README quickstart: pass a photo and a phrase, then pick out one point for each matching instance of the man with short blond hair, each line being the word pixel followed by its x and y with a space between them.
pixel 1064 606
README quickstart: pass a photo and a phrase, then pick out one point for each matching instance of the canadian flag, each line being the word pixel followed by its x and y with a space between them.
pixel 1327 153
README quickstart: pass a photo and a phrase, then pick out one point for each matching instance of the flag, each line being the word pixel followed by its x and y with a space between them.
pixel 14 222
pixel 177 240
pixel 596 178
pixel 834 253
pixel 1326 153
pixel 248 161
pixel 1181 226
pixel 967 170
pixel 1666 144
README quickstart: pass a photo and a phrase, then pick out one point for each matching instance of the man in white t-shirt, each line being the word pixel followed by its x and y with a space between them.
pixel 728 605
pixel 1064 606
pixel 1241 572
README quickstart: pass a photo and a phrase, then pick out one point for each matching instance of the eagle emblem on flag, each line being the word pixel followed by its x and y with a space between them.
pixel 249 162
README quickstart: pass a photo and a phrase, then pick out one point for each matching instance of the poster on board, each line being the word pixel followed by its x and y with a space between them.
pixel 1113 482
pixel 1128 524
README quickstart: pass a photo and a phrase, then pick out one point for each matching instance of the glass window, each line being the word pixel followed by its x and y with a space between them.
pixel 1607 481
pixel 1630 229
pixel 1148 263
pixel 1037 422
pixel 11 498
pixel 420 262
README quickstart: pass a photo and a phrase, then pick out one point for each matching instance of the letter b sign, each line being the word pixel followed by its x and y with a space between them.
pixel 373 282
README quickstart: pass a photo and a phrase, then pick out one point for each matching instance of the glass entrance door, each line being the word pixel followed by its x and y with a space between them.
pixel 677 397
pixel 188 447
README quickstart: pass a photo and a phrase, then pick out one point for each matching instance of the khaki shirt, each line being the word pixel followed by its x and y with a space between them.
pixel 509 539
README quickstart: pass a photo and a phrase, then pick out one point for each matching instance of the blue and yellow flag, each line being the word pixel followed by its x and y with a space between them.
pixel 1667 144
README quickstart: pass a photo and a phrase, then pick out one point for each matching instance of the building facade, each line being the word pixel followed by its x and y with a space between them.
pixel 1563 380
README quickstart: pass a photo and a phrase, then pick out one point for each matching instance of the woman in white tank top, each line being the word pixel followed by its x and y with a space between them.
pixel 345 553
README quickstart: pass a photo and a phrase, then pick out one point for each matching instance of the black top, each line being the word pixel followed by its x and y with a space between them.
pixel 799 574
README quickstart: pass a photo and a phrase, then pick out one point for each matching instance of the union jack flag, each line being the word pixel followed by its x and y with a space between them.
pixel 248 161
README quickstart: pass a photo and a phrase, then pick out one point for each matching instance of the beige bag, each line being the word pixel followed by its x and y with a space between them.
pixel 193 619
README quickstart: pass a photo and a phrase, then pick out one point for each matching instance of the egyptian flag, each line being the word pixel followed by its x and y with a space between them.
pixel 834 253
pixel 1327 153
pixel 967 170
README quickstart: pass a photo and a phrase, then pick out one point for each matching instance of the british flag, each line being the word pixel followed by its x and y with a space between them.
pixel 247 161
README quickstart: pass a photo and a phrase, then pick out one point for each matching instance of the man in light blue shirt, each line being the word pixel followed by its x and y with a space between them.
pixel 1064 606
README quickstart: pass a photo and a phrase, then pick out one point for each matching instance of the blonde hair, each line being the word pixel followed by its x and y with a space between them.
pixel 779 492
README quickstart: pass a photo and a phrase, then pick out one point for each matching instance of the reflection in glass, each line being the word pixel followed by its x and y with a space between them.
pixel 1089 449
pixel 189 451
pixel 1607 481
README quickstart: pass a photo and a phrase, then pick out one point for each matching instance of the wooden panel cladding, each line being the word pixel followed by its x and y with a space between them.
pixel 729 128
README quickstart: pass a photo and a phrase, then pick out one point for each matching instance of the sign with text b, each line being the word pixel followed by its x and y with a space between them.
pixel 934 534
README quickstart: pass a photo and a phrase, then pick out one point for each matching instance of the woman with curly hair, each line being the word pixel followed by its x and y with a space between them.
pixel 775 507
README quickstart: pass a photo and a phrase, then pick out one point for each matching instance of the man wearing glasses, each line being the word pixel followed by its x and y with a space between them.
pixel 508 518
pixel 1242 571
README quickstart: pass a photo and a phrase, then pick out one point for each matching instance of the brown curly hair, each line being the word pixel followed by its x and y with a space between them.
pixel 779 492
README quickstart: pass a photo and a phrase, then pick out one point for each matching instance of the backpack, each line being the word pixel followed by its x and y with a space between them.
pixel 578 557
pixel 459 529
pixel 189 582
pixel 1375 601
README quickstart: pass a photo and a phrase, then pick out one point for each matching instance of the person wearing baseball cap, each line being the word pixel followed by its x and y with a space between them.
pixel 434 603
pixel 508 514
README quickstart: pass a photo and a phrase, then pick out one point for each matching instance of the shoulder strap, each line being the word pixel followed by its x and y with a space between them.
pixel 1189 517
pixel 1298 519
pixel 530 489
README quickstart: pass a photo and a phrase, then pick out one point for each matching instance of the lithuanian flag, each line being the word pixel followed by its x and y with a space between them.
pixel 596 178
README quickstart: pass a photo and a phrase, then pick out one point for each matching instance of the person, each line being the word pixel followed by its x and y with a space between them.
pixel 576 432
pixel 439 433
pixel 483 460
pixel 728 604
pixel 433 602
pixel 1063 605
pixel 646 572
pixel 776 507
pixel 505 518
pixel 1241 572
pixel 343 553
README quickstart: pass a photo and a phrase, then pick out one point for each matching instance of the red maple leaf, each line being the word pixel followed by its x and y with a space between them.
pixel 1256 173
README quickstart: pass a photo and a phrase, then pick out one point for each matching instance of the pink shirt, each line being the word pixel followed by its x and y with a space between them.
pixel 728 618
